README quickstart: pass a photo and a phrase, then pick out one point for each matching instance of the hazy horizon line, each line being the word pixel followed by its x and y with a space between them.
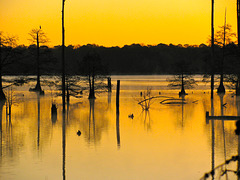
pixel 141 44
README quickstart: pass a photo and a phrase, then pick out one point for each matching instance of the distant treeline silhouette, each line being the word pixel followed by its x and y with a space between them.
pixel 130 59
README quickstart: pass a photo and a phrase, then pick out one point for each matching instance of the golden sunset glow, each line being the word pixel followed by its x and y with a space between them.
pixel 116 23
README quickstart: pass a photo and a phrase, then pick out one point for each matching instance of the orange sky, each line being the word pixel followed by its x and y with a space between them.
pixel 115 22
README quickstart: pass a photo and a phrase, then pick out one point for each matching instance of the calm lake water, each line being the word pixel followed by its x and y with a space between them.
pixel 171 141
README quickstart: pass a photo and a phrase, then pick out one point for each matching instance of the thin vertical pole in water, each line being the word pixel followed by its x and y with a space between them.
pixel 63 58
pixel 213 138
pixel 212 47
pixel 63 95
pixel 117 96
pixel 63 146
pixel 117 113
pixel 118 130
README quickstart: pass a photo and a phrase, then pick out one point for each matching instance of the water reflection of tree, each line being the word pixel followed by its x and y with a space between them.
pixel 92 119
pixel 109 99
pixel 146 119
pixel 228 109
pixel 185 108
pixel 182 105
pixel 1 130
pixel 43 130
pixel 34 117
pixel 224 141
pixel 12 138
pixel 118 129
pixel 225 137
pixel 64 145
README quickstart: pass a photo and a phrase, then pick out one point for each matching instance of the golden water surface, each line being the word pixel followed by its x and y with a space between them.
pixel 172 140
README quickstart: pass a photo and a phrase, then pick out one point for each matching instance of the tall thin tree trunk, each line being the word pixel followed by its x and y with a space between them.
pixel 93 87
pixel 212 43
pixel 38 86
pixel 221 88
pixel 182 92
pixel 238 36
pixel 63 97
pixel 90 87
pixel 63 58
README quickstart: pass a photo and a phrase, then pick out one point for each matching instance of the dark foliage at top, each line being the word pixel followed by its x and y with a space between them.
pixel 132 59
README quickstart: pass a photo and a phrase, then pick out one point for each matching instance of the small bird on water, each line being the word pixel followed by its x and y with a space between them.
pixel 79 133
pixel 131 116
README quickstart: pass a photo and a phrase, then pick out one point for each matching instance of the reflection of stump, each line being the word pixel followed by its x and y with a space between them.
pixel 182 93
pixel 37 88
pixel 54 113
pixel 68 97
pixel 92 94
pixel 41 92
pixel 109 85
pixel 221 89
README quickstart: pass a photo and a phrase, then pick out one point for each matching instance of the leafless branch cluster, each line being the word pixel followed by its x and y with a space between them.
pixel 188 81
pixel 146 100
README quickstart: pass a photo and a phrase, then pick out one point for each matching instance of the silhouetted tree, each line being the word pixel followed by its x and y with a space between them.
pixel 230 36
pixel 183 79
pixel 225 32
pixel 223 37
pixel 38 36
pixel 92 67
pixel 73 86
pixel 7 56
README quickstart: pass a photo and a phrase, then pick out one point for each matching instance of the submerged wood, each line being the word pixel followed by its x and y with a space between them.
pixel 173 101
pixel 152 98
pixel 221 117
